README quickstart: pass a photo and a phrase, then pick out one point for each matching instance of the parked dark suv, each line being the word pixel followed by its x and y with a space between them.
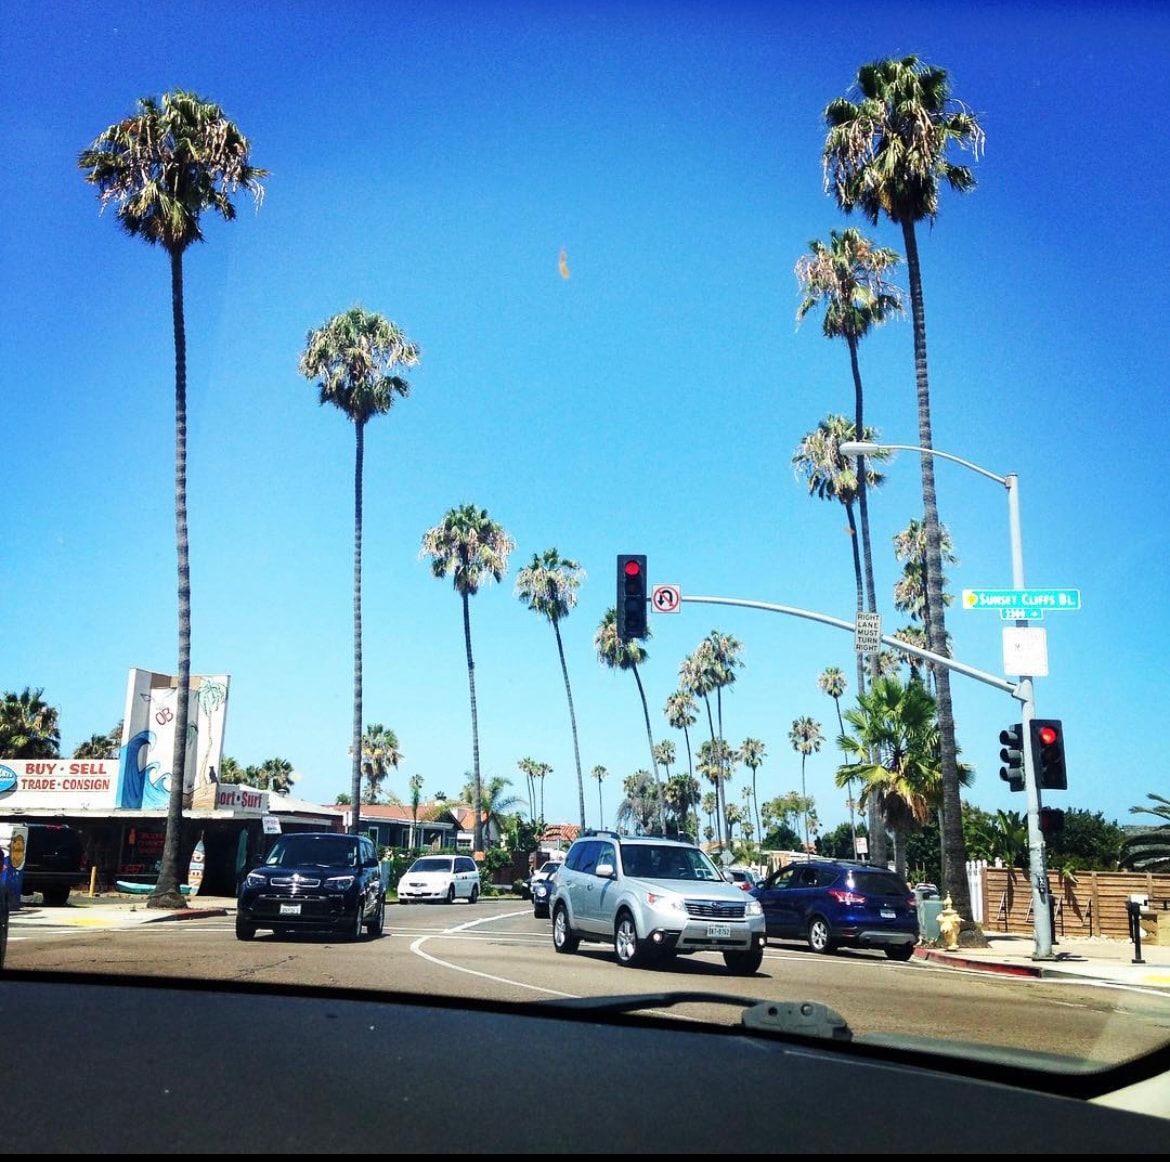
pixel 54 862
pixel 314 880
pixel 833 904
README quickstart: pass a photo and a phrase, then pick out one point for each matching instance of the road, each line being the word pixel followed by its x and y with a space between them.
pixel 496 951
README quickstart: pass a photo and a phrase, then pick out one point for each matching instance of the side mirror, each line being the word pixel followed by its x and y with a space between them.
pixel 605 871
pixel 728 876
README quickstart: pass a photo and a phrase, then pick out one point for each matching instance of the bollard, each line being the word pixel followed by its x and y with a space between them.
pixel 1134 908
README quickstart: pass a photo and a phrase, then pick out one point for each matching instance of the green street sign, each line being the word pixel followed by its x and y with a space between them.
pixel 1022 603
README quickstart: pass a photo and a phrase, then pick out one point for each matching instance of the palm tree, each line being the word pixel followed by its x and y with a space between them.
pixel 600 773
pixel 415 783
pixel 528 770
pixel 751 754
pixel 492 799
pixel 832 682
pixel 162 167
pixel 847 279
pixel 100 746
pixel 278 775
pixel 28 726
pixel 540 772
pixel 353 358
pixel 680 713
pixel 1148 850
pixel 641 807
pixel 887 155
pixel 474 549
pixel 380 755
pixel 617 654
pixel 549 586
pixel 805 737
pixel 910 594
pixel 828 475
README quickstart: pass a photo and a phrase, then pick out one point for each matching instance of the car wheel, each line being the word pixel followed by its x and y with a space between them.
pixel 899 951
pixel 355 929
pixel 626 945
pixel 244 930
pixel 474 894
pixel 564 938
pixel 539 913
pixel 451 894
pixel 819 936
pixel 744 963
pixel 55 897
pixel 378 923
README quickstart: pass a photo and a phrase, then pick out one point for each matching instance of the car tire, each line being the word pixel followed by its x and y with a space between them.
pixel 55 897
pixel 820 937
pixel 244 930
pixel 378 924
pixel 745 963
pixel 451 894
pixel 564 938
pixel 474 897
pixel 359 923
pixel 899 951
pixel 626 945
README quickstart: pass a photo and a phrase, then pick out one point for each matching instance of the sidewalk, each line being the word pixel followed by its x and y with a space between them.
pixel 1100 958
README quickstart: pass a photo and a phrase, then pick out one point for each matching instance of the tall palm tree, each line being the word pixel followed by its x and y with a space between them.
pixel 493 799
pixel 549 587
pixel 618 654
pixel 380 755
pixel 887 155
pixel 28 726
pixel 641 807
pixel 751 754
pixel 600 773
pixel 828 475
pixel 832 682
pixel 847 278
pixel 540 772
pixel 474 550
pixel 806 738
pixel 101 746
pixel 680 713
pixel 162 167
pixel 528 770
pixel 354 357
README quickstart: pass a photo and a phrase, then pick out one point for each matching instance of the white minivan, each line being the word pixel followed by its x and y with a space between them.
pixel 440 877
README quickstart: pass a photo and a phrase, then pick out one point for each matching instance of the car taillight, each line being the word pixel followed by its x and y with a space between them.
pixel 847 898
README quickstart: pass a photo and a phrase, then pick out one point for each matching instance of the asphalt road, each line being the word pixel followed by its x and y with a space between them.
pixel 496 951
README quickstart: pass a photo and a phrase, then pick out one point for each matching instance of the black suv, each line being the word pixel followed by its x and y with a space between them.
pixel 314 880
pixel 54 859
pixel 834 904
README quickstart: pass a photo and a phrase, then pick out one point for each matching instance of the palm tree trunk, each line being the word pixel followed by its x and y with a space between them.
pixel 572 722
pixel 600 808
pixel 356 774
pixel 653 757
pixel 166 892
pixel 477 805
pixel 954 849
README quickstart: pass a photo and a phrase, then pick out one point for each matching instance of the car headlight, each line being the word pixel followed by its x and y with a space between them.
pixel 665 902
pixel 339 883
pixel 753 908
pixel 254 880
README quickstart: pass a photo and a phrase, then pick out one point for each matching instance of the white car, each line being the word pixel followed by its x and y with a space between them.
pixel 440 877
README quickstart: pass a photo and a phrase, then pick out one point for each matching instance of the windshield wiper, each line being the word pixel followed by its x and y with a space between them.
pixel 789 1018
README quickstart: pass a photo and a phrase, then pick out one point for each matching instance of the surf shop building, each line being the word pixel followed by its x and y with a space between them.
pixel 123 831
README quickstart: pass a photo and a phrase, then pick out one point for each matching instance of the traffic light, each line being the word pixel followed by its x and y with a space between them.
pixel 1048 754
pixel 631 596
pixel 1011 754
pixel 1051 819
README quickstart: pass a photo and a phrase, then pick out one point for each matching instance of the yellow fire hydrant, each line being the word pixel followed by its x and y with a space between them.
pixel 949 922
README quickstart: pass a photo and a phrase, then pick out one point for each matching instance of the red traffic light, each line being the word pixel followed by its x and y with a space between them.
pixel 1047 734
pixel 632 567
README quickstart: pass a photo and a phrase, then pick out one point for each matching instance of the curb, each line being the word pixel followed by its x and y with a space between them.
pixel 977 964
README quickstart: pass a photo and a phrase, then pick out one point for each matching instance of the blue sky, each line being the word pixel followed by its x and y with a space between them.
pixel 429 161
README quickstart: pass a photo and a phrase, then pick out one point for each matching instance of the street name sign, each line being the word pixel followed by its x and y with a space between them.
pixel 1022 603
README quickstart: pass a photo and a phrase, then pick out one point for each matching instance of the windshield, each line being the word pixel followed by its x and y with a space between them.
pixel 611 427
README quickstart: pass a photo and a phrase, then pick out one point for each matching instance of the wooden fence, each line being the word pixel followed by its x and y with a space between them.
pixel 1092 904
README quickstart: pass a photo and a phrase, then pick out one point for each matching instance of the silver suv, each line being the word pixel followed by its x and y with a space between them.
pixel 653 897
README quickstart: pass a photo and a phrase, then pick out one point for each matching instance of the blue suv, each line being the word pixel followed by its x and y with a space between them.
pixel 834 904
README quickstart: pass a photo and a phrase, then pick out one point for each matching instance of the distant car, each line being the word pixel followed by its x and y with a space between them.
pixel 314 880
pixel 653 898
pixel 445 878
pixel 833 904
pixel 742 877
pixel 543 885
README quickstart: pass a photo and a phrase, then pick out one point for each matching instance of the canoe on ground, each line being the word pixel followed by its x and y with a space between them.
pixel 145 889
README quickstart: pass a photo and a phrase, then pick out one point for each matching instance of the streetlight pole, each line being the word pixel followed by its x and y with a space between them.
pixel 1037 871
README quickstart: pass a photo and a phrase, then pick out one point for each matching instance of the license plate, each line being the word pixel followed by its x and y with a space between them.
pixel 718 931
pixel 889 914
pixel 290 909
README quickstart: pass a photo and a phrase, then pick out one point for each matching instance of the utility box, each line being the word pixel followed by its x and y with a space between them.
pixel 928 913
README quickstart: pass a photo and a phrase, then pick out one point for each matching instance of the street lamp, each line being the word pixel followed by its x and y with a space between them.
pixel 1041 900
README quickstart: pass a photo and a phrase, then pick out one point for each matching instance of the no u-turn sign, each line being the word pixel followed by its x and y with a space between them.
pixel 665 598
